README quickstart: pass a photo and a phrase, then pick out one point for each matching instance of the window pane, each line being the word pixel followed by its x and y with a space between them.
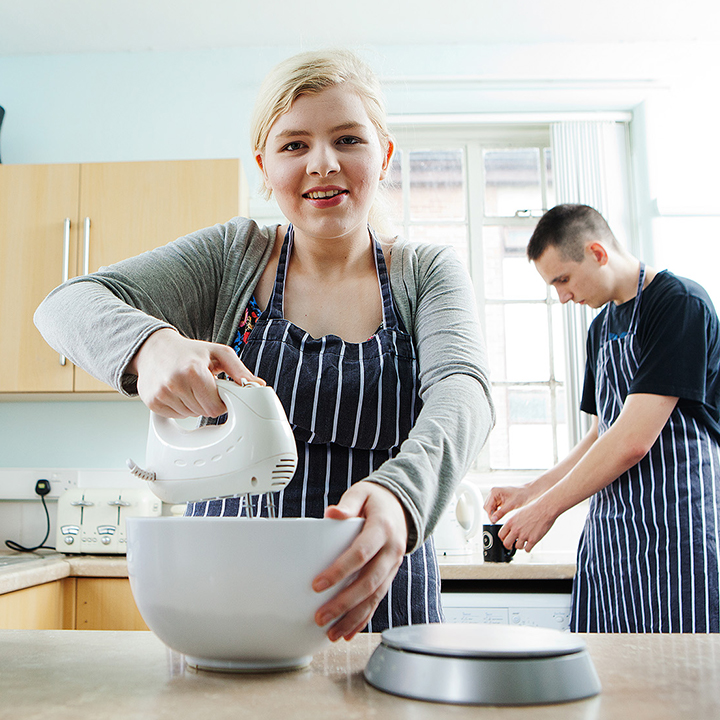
pixel 455 235
pixel 517 339
pixel 508 274
pixel 512 181
pixel 550 179
pixel 563 437
pixel 437 185
pixel 393 188
pixel 558 343
pixel 523 436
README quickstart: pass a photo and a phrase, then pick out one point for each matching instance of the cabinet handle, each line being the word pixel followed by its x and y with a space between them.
pixel 86 247
pixel 65 262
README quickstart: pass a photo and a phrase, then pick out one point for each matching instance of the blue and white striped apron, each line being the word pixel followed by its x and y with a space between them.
pixel 350 405
pixel 648 554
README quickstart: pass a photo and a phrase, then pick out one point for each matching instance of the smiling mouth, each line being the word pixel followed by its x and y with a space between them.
pixel 323 194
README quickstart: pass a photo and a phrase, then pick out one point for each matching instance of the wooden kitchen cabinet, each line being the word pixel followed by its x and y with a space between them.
pixel 106 604
pixel 38 203
pixel 49 606
pixel 60 221
pixel 84 603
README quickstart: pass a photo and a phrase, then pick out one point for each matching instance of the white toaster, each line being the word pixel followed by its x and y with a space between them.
pixel 92 520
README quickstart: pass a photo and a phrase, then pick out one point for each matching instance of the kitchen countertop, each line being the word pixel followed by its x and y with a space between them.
pixel 66 674
pixel 523 566
pixel 42 567
pixel 38 568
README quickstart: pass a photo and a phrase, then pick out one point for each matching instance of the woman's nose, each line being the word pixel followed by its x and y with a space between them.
pixel 322 161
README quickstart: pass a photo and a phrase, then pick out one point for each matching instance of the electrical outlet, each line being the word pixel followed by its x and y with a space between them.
pixel 19 483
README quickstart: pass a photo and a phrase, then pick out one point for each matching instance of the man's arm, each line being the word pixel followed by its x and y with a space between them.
pixel 624 444
pixel 503 500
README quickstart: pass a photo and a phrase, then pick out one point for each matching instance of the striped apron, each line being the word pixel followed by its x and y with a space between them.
pixel 648 554
pixel 350 405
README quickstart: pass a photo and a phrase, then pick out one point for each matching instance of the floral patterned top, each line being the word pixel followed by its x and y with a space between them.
pixel 247 323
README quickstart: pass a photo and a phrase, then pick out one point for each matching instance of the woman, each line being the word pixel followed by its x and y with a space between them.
pixel 372 346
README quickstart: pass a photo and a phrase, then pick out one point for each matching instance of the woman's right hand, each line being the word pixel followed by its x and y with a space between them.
pixel 502 500
pixel 176 375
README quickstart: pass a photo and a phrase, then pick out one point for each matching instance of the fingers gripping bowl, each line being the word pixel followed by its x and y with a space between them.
pixel 235 593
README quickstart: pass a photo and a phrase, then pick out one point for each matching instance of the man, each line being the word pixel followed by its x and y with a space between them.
pixel 648 555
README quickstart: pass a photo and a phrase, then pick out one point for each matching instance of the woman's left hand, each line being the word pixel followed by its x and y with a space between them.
pixel 375 555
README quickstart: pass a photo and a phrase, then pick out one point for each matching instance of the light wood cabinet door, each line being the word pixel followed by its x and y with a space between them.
pixel 128 208
pixel 42 607
pixel 106 604
pixel 38 242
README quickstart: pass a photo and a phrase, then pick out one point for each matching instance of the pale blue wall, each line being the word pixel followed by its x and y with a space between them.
pixel 147 106
pixel 72 434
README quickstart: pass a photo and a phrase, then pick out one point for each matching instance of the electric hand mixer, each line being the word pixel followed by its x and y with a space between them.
pixel 252 453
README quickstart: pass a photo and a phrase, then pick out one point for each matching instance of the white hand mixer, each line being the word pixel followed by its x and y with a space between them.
pixel 252 453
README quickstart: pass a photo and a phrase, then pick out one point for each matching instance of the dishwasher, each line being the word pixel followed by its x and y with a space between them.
pixel 547 610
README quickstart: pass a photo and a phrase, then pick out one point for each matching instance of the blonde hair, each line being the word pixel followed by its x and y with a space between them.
pixel 310 73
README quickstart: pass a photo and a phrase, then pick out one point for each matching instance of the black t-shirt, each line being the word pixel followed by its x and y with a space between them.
pixel 678 336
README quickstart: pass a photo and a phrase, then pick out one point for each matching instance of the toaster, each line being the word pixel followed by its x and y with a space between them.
pixel 92 520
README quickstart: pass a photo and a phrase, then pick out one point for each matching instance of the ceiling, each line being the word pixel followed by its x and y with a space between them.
pixel 32 27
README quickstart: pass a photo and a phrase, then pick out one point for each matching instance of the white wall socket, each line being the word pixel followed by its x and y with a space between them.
pixel 19 483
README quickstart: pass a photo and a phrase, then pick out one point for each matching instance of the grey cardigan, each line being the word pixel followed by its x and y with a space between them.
pixel 201 284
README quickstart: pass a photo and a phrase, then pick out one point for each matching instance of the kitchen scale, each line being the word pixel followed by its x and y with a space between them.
pixel 479 664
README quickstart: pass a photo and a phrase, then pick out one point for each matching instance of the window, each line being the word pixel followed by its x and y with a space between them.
pixel 482 189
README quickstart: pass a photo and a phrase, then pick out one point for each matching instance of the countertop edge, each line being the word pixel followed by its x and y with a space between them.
pixel 41 570
pixel 48 568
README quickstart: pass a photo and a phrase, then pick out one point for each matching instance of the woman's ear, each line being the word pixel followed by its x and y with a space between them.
pixel 261 165
pixel 387 159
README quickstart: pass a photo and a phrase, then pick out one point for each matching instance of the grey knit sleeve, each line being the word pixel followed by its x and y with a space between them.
pixel 194 284
pixel 436 300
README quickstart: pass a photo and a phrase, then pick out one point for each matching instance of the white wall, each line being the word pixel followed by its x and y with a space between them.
pixel 180 105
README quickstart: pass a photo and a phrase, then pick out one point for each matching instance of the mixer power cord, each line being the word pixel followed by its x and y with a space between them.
pixel 42 488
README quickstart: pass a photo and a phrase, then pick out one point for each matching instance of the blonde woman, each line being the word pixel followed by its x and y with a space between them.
pixel 372 344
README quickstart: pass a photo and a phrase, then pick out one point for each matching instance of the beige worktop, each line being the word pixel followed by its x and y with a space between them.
pixel 522 567
pixel 42 567
pixel 65 674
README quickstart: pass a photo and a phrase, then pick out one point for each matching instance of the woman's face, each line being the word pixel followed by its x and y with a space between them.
pixel 323 161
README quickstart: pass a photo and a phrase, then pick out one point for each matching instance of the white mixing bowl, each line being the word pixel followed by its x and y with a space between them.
pixel 235 593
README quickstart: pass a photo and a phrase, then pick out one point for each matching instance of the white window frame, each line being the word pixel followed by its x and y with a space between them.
pixel 476 137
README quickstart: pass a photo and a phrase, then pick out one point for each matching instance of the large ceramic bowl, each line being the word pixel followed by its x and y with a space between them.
pixel 235 593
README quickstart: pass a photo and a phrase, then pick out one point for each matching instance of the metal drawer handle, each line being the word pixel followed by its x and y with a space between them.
pixel 65 263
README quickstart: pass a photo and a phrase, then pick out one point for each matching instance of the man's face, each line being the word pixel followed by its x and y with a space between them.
pixel 580 282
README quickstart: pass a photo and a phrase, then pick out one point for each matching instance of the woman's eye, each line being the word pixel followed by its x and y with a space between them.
pixel 349 140
pixel 296 145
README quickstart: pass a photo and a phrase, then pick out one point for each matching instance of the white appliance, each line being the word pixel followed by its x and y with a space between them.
pixel 252 452
pixel 545 610
pixel 461 522
pixel 92 520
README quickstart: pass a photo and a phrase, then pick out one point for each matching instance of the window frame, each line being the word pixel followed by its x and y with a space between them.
pixel 475 138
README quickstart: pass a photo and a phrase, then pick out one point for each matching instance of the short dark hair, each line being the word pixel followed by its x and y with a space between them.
pixel 567 227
